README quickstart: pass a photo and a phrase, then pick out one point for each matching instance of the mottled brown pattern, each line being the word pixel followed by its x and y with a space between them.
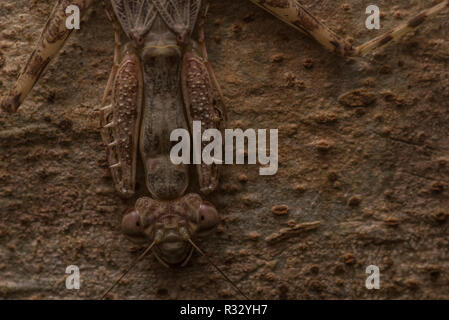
pixel 171 223
pixel 50 42
pixel 36 65
pixel 126 109
pixel 9 103
pixel 200 106
pixel 294 13
pixel 276 3
pixel 415 22
pixel 307 21
pixel 390 152
pixel 387 38
pixel 41 68
pixel 55 29
pixel 299 24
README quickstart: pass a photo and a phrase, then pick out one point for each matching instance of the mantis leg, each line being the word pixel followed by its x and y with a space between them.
pixel 51 41
pixel 201 106
pixel 121 122
pixel 296 15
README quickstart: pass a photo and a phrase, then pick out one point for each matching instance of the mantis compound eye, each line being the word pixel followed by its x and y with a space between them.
pixel 208 217
pixel 132 225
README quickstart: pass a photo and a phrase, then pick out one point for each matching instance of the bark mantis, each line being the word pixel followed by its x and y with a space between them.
pixel 161 70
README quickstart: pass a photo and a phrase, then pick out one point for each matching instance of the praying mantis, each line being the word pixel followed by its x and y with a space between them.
pixel 162 80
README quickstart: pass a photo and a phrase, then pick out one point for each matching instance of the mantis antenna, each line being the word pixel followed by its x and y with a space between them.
pixel 218 269
pixel 133 264
pixel 129 268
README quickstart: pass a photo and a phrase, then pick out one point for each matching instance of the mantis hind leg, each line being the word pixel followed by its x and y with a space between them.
pixel 296 15
pixel 399 31
pixel 51 41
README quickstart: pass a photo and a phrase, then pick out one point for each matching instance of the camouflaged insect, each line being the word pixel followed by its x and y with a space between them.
pixel 161 80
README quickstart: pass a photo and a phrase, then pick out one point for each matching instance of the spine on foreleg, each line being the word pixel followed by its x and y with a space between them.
pixel 201 106
pixel 121 123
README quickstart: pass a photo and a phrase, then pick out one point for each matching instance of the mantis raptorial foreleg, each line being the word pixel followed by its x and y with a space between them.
pixel 201 106
pixel 198 80
pixel 120 119
pixel 121 122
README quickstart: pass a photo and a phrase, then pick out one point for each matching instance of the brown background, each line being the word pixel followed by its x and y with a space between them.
pixel 375 174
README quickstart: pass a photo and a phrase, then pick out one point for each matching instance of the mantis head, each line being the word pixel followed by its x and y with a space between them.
pixel 167 227
pixel 170 225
